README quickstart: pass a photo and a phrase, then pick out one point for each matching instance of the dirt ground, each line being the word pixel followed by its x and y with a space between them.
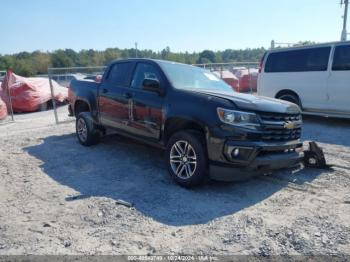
pixel 57 197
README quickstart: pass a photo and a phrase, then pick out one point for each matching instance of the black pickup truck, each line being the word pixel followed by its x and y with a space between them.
pixel 207 129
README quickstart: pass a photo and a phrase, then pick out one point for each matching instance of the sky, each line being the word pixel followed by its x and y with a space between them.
pixel 183 25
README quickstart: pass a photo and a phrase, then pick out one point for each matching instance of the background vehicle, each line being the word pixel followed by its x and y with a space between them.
pixel 247 79
pixel 30 94
pixel 241 79
pixel 228 77
pixel 315 77
pixel 65 79
pixel 206 129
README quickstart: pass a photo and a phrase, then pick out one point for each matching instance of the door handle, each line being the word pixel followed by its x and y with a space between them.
pixel 127 95
pixel 104 90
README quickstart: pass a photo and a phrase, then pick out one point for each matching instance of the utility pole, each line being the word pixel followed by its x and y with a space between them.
pixel 344 33
pixel 272 44
pixel 136 49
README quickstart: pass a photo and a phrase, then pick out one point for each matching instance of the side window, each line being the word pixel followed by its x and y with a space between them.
pixel 341 60
pixel 120 74
pixel 142 72
pixel 304 60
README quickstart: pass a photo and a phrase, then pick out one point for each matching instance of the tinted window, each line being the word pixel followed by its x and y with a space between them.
pixel 341 60
pixel 144 71
pixel 312 59
pixel 120 74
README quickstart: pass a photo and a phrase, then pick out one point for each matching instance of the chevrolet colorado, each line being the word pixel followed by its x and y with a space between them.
pixel 207 129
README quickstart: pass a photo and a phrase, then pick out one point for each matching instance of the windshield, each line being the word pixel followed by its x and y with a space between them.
pixel 193 78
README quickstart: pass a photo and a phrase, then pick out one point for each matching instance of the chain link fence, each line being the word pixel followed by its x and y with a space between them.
pixel 241 76
pixel 60 78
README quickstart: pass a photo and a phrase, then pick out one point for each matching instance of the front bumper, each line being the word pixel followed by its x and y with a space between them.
pixel 255 158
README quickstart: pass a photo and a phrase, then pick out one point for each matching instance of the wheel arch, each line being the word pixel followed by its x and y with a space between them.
pixel 288 91
pixel 81 105
pixel 176 124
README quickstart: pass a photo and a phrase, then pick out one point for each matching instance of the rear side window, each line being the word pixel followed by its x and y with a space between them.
pixel 341 60
pixel 120 74
pixel 305 60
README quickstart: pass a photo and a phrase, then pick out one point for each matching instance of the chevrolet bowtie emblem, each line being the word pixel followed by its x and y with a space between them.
pixel 289 125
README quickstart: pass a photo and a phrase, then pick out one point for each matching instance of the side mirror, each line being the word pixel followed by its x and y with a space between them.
pixel 152 85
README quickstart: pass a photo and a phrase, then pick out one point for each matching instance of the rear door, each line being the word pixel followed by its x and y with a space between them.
pixel 146 108
pixel 339 80
pixel 115 97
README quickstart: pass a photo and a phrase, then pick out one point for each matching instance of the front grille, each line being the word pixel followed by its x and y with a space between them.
pixel 274 126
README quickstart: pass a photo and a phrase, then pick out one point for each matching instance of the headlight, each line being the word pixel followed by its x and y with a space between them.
pixel 238 118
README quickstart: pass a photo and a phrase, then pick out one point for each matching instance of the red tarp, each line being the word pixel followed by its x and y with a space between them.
pixel 28 94
pixel 3 107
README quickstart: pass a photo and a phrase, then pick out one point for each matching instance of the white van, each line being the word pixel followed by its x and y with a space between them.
pixel 316 77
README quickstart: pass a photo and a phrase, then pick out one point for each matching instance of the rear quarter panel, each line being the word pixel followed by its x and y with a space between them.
pixel 84 90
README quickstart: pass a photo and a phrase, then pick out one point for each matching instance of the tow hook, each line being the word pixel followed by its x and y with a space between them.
pixel 314 157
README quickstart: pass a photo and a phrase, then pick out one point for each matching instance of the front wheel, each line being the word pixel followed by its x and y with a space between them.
pixel 86 131
pixel 186 158
pixel 289 97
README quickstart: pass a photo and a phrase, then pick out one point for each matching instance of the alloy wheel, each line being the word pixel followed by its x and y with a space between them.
pixel 183 159
pixel 82 130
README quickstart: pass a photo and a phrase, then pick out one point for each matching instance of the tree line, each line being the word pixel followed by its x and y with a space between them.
pixel 37 62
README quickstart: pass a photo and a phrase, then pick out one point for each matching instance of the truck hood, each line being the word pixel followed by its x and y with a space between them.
pixel 255 103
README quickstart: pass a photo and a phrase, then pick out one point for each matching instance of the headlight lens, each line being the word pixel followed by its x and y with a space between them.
pixel 238 118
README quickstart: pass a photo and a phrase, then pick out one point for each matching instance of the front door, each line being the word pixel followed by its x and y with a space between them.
pixel 339 80
pixel 146 109
pixel 114 96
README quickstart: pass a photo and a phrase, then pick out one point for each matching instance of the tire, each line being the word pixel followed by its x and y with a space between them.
pixel 86 131
pixel 186 158
pixel 289 97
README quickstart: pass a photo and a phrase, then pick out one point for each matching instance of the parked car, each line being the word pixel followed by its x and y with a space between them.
pixel 65 79
pixel 247 79
pixel 206 129
pixel 228 77
pixel 96 78
pixel 236 69
pixel 30 94
pixel 315 77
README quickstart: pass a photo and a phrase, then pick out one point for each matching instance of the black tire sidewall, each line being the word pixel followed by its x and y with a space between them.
pixel 92 134
pixel 196 140
pixel 292 97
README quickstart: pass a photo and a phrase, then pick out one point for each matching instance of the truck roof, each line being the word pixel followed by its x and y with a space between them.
pixel 145 59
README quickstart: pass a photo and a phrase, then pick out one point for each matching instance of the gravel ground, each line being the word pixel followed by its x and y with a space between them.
pixel 57 197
